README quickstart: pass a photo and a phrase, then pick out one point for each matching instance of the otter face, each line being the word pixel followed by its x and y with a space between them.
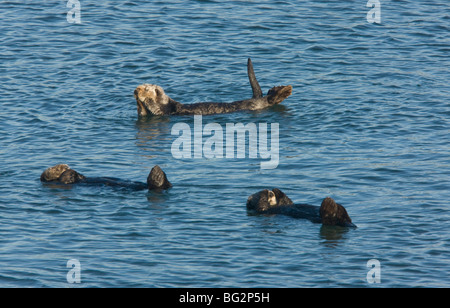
pixel 271 198
pixel 262 201
pixel 61 173
pixel 281 198
pixel 151 99
pixel 53 173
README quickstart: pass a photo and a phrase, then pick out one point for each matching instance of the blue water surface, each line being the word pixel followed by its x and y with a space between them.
pixel 368 123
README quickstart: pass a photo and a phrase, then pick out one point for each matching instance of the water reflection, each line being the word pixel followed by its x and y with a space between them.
pixel 332 234
pixel 57 185
pixel 152 127
pixel 153 135
pixel 157 199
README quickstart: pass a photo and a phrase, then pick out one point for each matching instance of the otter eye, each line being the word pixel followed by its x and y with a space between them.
pixel 157 91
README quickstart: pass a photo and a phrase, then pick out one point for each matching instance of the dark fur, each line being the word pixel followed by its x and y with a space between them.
pixel 152 100
pixel 156 179
pixel 329 213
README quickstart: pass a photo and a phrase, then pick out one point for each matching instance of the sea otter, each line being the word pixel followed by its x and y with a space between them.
pixel 276 202
pixel 151 100
pixel 63 174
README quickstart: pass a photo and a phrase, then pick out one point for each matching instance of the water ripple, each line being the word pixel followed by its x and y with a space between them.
pixel 367 124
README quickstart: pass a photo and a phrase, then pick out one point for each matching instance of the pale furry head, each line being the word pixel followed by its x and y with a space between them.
pixel 53 173
pixel 151 99
pixel 61 173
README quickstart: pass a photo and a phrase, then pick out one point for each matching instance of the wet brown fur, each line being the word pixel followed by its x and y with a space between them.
pixel 157 179
pixel 152 100
pixel 329 213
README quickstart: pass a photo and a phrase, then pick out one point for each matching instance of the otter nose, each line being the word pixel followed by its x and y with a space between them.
pixel 136 92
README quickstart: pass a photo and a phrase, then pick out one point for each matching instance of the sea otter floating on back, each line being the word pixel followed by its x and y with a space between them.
pixel 151 100
pixel 63 174
pixel 276 202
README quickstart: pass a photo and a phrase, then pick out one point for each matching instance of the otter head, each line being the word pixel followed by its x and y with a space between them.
pixel 278 94
pixel 151 100
pixel 53 173
pixel 334 214
pixel 157 179
pixel 266 199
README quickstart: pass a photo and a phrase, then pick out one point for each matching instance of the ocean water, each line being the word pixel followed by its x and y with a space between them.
pixel 368 124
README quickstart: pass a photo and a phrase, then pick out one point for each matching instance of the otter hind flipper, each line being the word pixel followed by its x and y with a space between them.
pixel 277 202
pixel 278 94
pixel 157 179
pixel 152 100
pixel 332 213
pixel 257 93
